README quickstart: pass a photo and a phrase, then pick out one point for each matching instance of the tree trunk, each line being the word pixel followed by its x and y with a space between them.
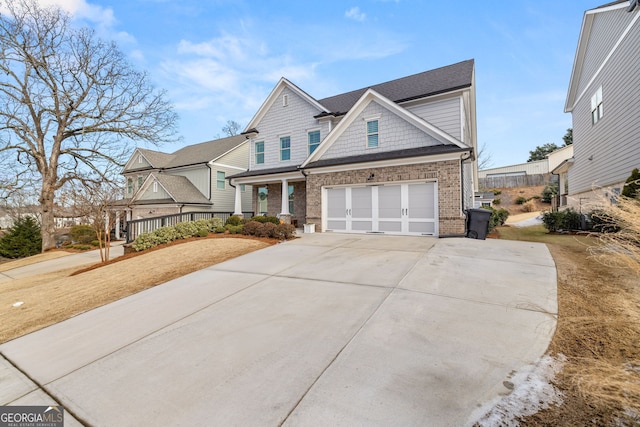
pixel 47 227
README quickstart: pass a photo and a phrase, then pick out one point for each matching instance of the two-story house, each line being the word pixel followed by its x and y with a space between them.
pixel 193 178
pixel 604 102
pixel 396 157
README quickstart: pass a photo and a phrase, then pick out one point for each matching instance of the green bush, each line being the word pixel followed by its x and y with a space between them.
pixel 632 184
pixel 95 243
pixel 496 192
pixel 165 235
pixel 83 233
pixel 567 219
pixel 185 230
pixel 234 220
pixel 497 201
pixel 521 200
pixel 234 229
pixel 214 223
pixel 263 219
pixel 144 241
pixel 220 229
pixel 498 217
pixel 203 233
pixel 80 247
pixel 21 240
pixel 550 190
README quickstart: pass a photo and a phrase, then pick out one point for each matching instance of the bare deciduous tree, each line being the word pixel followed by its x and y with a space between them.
pixel 70 103
pixel 231 128
pixel 485 158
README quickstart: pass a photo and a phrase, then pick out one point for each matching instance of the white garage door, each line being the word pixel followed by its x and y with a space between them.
pixel 410 208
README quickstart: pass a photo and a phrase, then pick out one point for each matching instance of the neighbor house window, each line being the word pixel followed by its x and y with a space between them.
pixel 243 187
pixel 314 140
pixel 220 177
pixel 259 153
pixel 372 133
pixel 129 186
pixel 139 158
pixel 290 189
pixel 262 200
pixel 285 148
pixel 139 181
pixel 597 109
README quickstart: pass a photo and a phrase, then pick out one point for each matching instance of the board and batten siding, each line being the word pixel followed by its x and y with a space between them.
pixel 606 153
pixel 223 200
pixel 293 120
pixel 606 29
pixel 394 133
pixel 444 114
pixel 198 176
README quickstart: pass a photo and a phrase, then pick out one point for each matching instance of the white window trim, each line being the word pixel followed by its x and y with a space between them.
pixel 597 106
pixel 155 186
pixel 218 180
pixel 319 142
pixel 281 149
pixel 368 119
pixel 139 158
pixel 255 152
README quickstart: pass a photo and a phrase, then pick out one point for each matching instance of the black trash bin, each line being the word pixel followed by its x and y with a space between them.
pixel 478 223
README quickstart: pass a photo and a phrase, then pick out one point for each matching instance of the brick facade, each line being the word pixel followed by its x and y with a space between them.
pixel 274 200
pixel 447 174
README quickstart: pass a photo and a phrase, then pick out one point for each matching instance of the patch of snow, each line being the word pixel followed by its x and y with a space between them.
pixel 532 392
pixel 528 222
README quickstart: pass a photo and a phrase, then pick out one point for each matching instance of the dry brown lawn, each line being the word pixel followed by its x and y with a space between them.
pixel 53 297
pixel 598 330
pixel 8 264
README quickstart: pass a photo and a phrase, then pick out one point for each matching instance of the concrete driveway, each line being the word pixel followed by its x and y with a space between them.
pixel 329 329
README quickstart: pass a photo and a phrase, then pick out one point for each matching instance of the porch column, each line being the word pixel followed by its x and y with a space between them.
pixel 117 225
pixel 285 215
pixel 237 208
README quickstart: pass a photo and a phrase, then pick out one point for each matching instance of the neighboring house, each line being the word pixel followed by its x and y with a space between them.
pixel 604 102
pixel 524 174
pixel 396 157
pixel 191 179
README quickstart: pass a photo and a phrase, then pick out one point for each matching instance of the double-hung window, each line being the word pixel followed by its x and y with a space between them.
pixel 220 177
pixel 597 109
pixel 129 186
pixel 285 148
pixel 372 133
pixel 259 151
pixel 314 140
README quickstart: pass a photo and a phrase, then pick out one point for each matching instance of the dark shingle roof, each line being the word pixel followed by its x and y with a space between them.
pixel 428 83
pixel 204 152
pixel 429 150
pixel 182 190
pixel 157 159
pixel 270 171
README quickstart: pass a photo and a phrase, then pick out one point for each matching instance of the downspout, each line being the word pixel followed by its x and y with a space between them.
pixel 463 157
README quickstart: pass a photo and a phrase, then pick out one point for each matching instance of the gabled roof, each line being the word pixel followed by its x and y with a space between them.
pixel 428 83
pixel 179 188
pixel 369 96
pixel 585 35
pixel 204 152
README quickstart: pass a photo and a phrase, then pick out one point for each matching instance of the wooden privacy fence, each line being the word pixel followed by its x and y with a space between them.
pixel 145 225
pixel 503 181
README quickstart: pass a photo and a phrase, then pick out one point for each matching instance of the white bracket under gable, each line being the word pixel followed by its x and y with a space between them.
pixel 275 97
pixel 369 96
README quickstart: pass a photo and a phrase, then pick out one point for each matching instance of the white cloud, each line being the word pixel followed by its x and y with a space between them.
pixel 355 14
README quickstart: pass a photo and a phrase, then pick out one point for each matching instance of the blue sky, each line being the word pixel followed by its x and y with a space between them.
pixel 218 60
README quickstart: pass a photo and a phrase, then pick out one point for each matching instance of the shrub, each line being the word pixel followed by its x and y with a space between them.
pixel 496 192
pixel 203 233
pixel 165 235
pixel 234 220
pixel 214 223
pixel 552 220
pixel 21 240
pixel 252 228
pixel 603 222
pixel 185 230
pixel 144 241
pixel 572 220
pixel 529 206
pixel 550 190
pixel 567 219
pixel 263 219
pixel 632 185
pixel 284 231
pixel 521 200
pixel 80 247
pixel 95 243
pixel 497 201
pixel 498 217
pixel 234 229
pixel 83 233
pixel 220 229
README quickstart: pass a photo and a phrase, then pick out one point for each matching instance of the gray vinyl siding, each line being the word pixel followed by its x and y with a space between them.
pixel 614 142
pixel 293 121
pixel 444 114
pixel 199 177
pixel 606 29
pixel 394 133
pixel 238 157
pixel 161 194
pixel 224 200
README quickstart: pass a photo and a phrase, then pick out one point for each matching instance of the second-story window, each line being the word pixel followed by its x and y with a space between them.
pixel 259 152
pixel 597 109
pixel 372 133
pixel 220 176
pixel 314 140
pixel 285 148
pixel 129 186
pixel 139 181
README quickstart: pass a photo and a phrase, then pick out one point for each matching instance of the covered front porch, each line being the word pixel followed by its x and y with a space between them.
pixel 275 192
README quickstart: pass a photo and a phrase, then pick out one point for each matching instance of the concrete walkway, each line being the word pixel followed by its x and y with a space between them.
pixel 329 329
pixel 69 261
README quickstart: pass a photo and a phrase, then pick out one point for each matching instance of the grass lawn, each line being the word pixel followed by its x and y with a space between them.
pixel 54 297
pixel 598 331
